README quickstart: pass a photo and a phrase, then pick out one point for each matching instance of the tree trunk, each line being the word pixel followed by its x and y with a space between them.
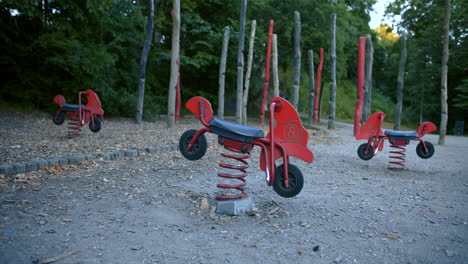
pixel 312 87
pixel 368 78
pixel 297 59
pixel 143 60
pixel 267 72
pixel 275 66
pixel 318 87
pixel 174 69
pixel 400 83
pixel 240 62
pixel 360 85
pixel 331 116
pixel 248 73
pixel 443 85
pixel 222 73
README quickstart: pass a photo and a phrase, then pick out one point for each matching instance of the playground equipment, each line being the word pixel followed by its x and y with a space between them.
pixel 372 131
pixel 80 114
pixel 286 138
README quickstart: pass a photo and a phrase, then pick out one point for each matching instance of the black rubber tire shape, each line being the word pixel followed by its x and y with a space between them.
pixel 296 181
pixel 361 151
pixel 60 119
pixel 198 149
pixel 420 150
pixel 97 124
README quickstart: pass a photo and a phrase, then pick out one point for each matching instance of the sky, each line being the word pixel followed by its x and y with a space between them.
pixel 377 16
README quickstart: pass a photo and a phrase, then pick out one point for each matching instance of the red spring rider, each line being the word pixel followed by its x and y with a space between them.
pixel 372 131
pixel 80 114
pixel 286 138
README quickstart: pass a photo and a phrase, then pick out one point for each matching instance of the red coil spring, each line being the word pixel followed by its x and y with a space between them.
pixel 399 158
pixel 74 125
pixel 241 168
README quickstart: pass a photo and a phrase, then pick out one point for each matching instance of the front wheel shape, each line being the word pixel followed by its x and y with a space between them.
pixel 423 154
pixel 59 117
pixel 198 149
pixel 296 181
pixel 97 124
pixel 361 151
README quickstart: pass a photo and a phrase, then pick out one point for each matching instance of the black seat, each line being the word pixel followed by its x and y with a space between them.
pixel 235 131
pixel 401 135
pixel 72 107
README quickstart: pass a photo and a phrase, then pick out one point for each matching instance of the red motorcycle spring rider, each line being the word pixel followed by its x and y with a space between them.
pixel 286 138
pixel 80 114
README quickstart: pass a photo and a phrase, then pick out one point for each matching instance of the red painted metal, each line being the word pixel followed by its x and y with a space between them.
pixel 317 88
pixel 227 175
pixel 287 137
pixel 372 131
pixel 267 72
pixel 360 84
pixel 80 114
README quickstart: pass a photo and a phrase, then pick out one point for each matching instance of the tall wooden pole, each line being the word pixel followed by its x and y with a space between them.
pixel 275 66
pixel 267 73
pixel 311 87
pixel 240 62
pixel 368 78
pixel 360 85
pixel 143 60
pixel 400 83
pixel 443 80
pixel 317 87
pixel 297 58
pixel 248 73
pixel 331 116
pixel 222 73
pixel 174 68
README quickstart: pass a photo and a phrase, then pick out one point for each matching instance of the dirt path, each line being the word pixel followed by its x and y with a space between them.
pixel 147 210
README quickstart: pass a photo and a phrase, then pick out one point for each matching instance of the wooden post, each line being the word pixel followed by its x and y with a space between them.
pixel 248 73
pixel 240 62
pixel 360 85
pixel 443 79
pixel 368 78
pixel 222 73
pixel 267 72
pixel 297 59
pixel 312 87
pixel 275 66
pixel 143 60
pixel 174 68
pixel 400 82
pixel 317 87
pixel 331 116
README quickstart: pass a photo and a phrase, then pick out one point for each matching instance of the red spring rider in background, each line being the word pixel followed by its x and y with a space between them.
pixel 80 114
pixel 286 138
pixel 372 131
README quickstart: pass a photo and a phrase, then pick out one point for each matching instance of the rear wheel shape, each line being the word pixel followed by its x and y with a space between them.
pixel 361 151
pixel 198 149
pixel 423 154
pixel 59 117
pixel 97 124
pixel 296 181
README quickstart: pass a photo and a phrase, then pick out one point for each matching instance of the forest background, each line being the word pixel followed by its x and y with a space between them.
pixel 54 47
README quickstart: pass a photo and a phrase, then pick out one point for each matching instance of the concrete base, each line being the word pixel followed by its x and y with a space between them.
pixel 235 207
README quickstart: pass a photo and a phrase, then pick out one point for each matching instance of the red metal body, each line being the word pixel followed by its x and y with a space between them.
pixel 360 85
pixel 317 88
pixel 267 72
pixel 80 114
pixel 286 138
pixel 371 130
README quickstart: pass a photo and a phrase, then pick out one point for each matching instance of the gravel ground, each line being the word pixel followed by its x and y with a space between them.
pixel 152 208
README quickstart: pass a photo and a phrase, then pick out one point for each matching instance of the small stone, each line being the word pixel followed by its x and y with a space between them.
pixel 316 248
pixel 51 231
pixel 136 247
pixel 449 253
pixel 338 259
pixel 42 222
pixel 204 204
